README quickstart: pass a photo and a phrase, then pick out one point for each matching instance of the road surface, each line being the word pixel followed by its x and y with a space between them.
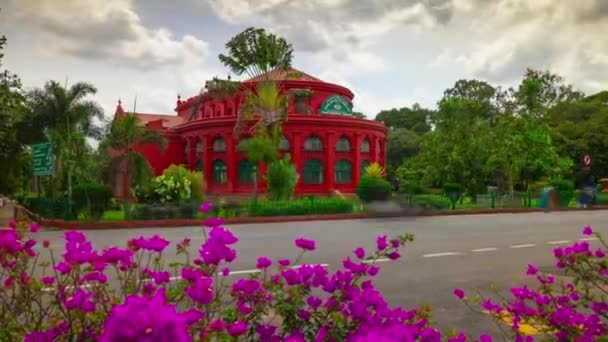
pixel 472 252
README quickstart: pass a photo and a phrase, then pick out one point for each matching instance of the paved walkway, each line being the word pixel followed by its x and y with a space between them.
pixel 6 214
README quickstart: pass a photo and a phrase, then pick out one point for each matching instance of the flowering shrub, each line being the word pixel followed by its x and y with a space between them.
pixel 170 188
pixel 131 294
pixel 572 310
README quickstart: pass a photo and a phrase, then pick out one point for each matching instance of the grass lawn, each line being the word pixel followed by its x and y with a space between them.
pixel 113 215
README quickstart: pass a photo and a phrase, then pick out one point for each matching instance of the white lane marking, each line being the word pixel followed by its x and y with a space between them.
pixel 440 254
pixel 244 272
pixel 526 245
pixel 377 260
pixel 589 239
pixel 480 250
pixel 560 242
pixel 295 267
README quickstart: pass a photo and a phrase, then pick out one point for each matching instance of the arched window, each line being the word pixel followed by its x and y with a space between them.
pixel 284 145
pixel 241 147
pixel 199 146
pixel 220 172
pixel 364 165
pixel 365 147
pixel 313 172
pixel 219 145
pixel 246 172
pixel 199 165
pixel 343 172
pixel 313 144
pixel 343 145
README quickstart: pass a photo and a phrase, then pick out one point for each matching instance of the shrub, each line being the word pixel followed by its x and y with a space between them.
pixel 197 186
pixel 171 189
pixel 375 170
pixel 281 178
pixel 302 206
pixel 565 190
pixel 91 199
pixel 412 188
pixel 373 189
pixel 432 202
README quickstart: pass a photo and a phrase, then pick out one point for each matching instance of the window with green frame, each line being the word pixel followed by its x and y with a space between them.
pixel 199 165
pixel 343 172
pixel 313 144
pixel 220 172
pixel 246 172
pixel 365 147
pixel 343 145
pixel 364 165
pixel 313 172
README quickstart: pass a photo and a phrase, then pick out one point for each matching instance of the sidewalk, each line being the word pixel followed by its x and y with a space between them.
pixel 6 214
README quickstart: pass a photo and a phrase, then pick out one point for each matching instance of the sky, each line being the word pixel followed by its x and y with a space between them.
pixel 390 53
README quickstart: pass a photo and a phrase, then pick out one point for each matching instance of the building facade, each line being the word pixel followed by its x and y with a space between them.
pixel 329 147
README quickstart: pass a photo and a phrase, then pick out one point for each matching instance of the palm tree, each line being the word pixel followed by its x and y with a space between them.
pixel 125 132
pixel 67 119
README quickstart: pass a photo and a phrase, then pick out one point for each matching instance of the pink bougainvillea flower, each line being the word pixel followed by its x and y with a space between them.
pixel 305 244
pixel 152 244
pixel 284 262
pixel 532 270
pixel 263 263
pixel 205 207
pixel 588 231
pixel 213 222
pixel 394 255
pixel 359 252
pixel 237 328
pixel 34 227
pixel 459 293
pixel 201 291
pixel 48 280
pixel 80 300
pixel 146 319
pixel 226 271
pixel 381 243
pixel 63 267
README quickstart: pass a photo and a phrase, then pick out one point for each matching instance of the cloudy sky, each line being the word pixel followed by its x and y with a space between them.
pixel 390 53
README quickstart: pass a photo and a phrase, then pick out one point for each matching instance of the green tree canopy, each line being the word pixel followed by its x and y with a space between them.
pixel 415 119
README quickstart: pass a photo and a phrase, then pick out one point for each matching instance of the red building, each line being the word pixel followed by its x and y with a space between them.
pixel 327 144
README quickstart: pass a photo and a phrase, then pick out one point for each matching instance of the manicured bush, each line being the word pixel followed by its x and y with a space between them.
pixel 167 211
pixel 197 186
pixel 432 202
pixel 373 189
pixel 91 199
pixel 281 179
pixel 303 206
pixel 172 188
pixel 565 190
pixel 411 187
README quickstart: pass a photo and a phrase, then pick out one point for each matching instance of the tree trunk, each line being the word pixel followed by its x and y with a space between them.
pixel 127 207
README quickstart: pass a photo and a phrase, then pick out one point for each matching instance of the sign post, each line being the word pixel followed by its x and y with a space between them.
pixel 43 159
pixel 587 160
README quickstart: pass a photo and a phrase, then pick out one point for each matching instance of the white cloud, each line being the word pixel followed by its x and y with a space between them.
pixel 105 30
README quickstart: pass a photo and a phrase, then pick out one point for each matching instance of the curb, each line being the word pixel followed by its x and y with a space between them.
pixel 81 225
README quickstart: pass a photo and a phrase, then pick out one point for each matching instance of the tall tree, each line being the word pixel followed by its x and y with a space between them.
pixel 67 117
pixel 415 119
pixel 257 53
pixel 126 132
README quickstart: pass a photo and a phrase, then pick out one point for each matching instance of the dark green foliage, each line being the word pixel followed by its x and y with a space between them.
pixel 373 189
pixel 565 190
pixel 452 188
pixel 303 206
pixel 91 199
pixel 164 212
pixel 50 208
pixel 281 178
pixel 434 202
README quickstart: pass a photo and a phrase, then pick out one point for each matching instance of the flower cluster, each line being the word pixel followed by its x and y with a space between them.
pixel 127 294
pixel 572 310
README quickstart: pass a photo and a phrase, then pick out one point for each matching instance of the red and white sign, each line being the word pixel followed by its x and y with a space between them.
pixel 587 160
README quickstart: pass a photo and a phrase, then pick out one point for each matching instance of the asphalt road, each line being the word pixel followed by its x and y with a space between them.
pixel 472 252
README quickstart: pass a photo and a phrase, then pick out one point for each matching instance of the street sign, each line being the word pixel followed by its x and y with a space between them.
pixel 43 159
pixel 587 160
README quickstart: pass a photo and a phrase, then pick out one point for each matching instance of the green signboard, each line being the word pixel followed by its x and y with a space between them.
pixel 335 104
pixel 43 159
